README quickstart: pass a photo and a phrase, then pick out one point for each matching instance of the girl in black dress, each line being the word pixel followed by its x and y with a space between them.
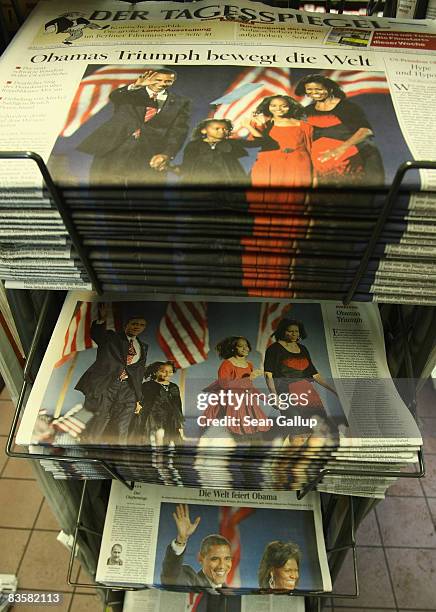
pixel 162 415
pixel 212 157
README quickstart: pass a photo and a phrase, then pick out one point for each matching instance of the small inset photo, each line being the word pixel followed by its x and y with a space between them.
pixel 348 36
pixel 115 556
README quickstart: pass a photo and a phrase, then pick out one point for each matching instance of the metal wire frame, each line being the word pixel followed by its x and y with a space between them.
pixel 64 211
pixel 112 472
pixel 373 474
pixel 79 526
pixel 384 214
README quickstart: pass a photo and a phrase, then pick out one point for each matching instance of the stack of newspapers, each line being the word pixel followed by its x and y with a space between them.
pixel 219 150
pixel 237 550
pixel 247 396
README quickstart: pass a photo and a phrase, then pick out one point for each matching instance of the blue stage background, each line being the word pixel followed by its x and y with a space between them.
pixel 256 531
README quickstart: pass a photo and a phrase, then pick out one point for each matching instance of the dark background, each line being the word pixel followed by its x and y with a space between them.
pixel 203 84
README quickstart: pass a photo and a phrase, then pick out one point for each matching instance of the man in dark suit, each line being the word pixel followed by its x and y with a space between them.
pixel 148 127
pixel 112 384
pixel 215 556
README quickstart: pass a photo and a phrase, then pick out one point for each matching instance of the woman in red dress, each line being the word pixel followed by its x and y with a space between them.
pixel 284 160
pixel 343 152
pixel 236 373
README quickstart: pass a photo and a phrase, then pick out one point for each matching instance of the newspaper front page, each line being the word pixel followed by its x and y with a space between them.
pixel 178 538
pixel 78 89
pixel 249 389
pixel 66 63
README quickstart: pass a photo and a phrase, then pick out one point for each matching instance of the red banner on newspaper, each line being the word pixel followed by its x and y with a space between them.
pixel 404 40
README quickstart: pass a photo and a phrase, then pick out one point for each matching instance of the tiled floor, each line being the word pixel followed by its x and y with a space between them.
pixel 396 542
pixel 28 533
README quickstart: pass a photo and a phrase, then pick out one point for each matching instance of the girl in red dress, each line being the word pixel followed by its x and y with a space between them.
pixel 284 160
pixel 236 373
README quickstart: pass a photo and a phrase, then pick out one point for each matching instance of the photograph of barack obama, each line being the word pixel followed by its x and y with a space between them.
pixel 148 127
pixel 214 556
pixel 112 384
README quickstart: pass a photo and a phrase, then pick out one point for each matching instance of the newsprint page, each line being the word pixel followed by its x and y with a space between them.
pixel 343 345
pixel 145 541
pixel 62 49
pixel 161 601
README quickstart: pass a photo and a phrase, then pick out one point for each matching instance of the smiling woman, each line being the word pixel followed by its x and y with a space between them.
pixel 343 150
pixel 279 567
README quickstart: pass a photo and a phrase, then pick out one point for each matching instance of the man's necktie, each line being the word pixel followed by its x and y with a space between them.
pixel 130 355
pixel 150 111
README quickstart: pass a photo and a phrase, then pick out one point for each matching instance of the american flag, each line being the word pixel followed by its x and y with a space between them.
pixel 272 81
pixel 183 333
pixel 93 93
pixel 70 423
pixel 359 82
pixel 78 335
pixel 270 315
pixel 229 528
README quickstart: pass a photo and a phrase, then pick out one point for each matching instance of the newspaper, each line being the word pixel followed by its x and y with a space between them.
pixel 74 77
pixel 161 601
pixel 229 541
pixel 279 369
pixel 66 55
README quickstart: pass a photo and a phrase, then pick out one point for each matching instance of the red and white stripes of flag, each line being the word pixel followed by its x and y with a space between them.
pixel 183 333
pixel 78 335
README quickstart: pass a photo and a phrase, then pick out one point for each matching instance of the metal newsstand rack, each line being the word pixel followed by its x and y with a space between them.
pixel 357 509
pixel 345 541
pixel 59 201
pixel 75 239
pixel 349 539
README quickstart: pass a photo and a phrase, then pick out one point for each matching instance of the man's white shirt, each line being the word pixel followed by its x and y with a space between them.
pixel 160 97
